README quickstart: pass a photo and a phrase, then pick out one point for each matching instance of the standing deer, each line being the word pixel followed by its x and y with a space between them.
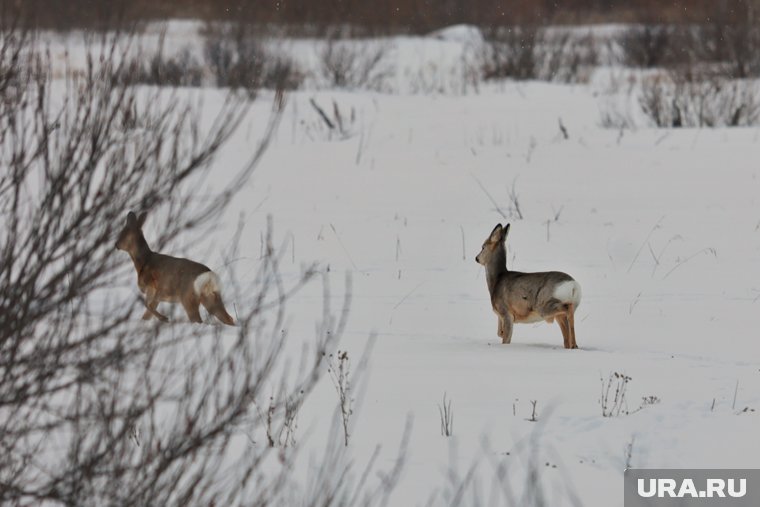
pixel 527 297
pixel 172 279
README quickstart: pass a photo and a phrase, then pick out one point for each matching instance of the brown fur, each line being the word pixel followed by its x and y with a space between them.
pixel 165 278
pixel 524 297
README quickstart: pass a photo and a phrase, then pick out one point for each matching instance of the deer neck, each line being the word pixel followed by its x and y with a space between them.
pixel 496 268
pixel 140 254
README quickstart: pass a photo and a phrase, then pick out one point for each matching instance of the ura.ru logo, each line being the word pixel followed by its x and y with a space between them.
pixel 714 488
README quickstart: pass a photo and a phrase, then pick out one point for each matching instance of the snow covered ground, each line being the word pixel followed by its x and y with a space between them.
pixel 661 228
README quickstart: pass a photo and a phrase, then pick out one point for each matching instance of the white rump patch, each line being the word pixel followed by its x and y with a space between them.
pixel 568 292
pixel 206 283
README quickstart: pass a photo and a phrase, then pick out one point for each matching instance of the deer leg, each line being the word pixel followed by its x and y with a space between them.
pixel 571 326
pixel 192 309
pixel 213 303
pixel 565 327
pixel 506 326
pixel 500 331
pixel 151 303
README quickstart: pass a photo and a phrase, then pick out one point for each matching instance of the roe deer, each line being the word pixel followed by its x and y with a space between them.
pixel 165 278
pixel 527 297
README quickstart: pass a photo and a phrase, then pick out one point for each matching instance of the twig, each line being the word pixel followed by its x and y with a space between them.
pixel 629 452
pixel 515 200
pixel 633 303
pixel 531 149
pixel 464 254
pixel 322 114
pixel 557 213
pixel 360 148
pixel 644 243
pixel 343 247
pixel 657 257
pixel 662 138
pixel 736 391
pixel 533 415
pixel 563 129
pixel 490 197
pixel 408 294
pixel 710 250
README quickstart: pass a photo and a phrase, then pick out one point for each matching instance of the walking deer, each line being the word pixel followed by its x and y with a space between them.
pixel 172 279
pixel 527 297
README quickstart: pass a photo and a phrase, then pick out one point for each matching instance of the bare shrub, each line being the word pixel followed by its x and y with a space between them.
pixel 432 78
pixel 731 36
pixel 532 52
pixel 274 70
pixel 339 374
pixel 280 420
pixel 118 411
pixel 446 412
pixel 234 55
pixel 617 102
pixel 646 46
pixel 693 98
pixel 281 72
pixel 511 52
pixel 724 39
pixel 567 58
pixel 533 414
pixel 612 118
pixel 355 64
pixel 99 407
pixel 238 58
pixel 656 101
pixel 612 398
pixel 182 69
pixel 742 41
pixel 338 122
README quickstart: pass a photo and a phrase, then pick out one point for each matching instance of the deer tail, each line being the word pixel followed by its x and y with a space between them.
pixel 208 289
pixel 207 284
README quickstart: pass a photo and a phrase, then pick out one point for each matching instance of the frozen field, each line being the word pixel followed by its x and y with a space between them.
pixel 661 229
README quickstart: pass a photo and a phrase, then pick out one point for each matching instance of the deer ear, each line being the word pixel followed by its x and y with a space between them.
pixel 504 232
pixel 496 233
pixel 141 218
pixel 131 219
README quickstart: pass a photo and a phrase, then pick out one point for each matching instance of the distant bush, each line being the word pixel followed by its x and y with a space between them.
pixel 281 72
pixel 511 53
pixel 647 46
pixel 726 38
pixel 159 70
pixel 567 58
pixel 690 98
pixel 234 56
pixel 531 52
pixel 731 36
pixel 355 64
pixel 239 59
